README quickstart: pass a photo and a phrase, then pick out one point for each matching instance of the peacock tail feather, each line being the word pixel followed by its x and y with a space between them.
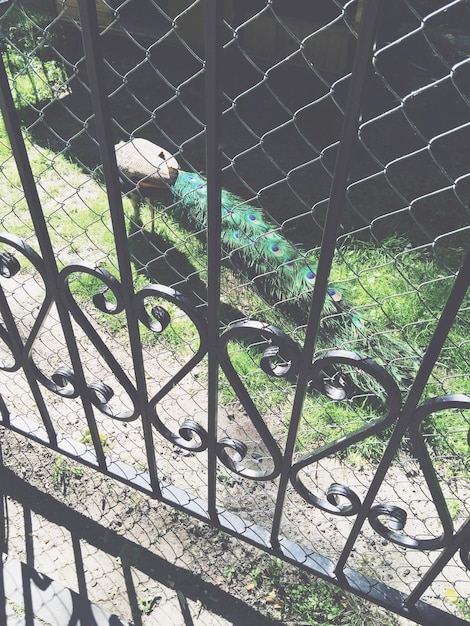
pixel 248 236
pixel 287 274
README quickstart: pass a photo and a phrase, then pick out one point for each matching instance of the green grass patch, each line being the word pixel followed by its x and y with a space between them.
pixel 75 207
pixel 308 600
pixel 27 47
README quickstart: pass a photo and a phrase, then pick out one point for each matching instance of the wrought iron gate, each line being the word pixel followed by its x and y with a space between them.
pixel 88 368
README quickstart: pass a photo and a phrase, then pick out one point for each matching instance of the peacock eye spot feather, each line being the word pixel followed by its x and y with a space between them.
pixel 252 217
pixel 277 250
pixel 334 295
pixel 290 265
pixel 236 234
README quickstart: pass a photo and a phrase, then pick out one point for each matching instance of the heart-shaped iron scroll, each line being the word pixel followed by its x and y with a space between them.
pixel 396 517
pixel 108 299
pixel 10 334
pixel 328 377
pixel 279 359
pixel 191 435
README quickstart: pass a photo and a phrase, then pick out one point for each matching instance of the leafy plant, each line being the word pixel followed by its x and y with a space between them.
pixel 312 601
pixel 146 605
pixel 64 471
pixel 29 50
pixel 464 608
pixel 230 572
pixel 87 439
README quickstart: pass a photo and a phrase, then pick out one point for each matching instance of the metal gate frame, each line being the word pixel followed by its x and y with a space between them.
pixel 406 417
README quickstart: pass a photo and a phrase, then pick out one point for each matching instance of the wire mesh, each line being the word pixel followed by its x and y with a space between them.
pixel 404 231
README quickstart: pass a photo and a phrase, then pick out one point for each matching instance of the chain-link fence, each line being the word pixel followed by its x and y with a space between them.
pixel 353 461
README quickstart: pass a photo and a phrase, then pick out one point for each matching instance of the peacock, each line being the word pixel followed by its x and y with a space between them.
pixel 252 239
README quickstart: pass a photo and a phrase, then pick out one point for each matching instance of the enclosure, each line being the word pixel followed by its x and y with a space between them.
pixel 274 339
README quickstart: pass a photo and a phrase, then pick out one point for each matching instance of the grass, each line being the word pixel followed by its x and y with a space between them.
pixel 146 605
pixel 397 290
pixel 75 207
pixel 88 440
pixel 34 72
pixel 308 600
pixel 64 472
pixel 464 608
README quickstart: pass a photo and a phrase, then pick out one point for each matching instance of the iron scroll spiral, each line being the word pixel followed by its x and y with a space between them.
pixel 279 359
pixel 98 392
pixel 9 265
pixel 465 554
pixel 10 334
pixel 62 382
pixel 191 435
pixel 340 499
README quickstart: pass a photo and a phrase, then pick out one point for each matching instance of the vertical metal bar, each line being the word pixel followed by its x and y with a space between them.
pixel 328 245
pixel 3 539
pixel 213 53
pixel 443 327
pixel 97 78
pixel 20 154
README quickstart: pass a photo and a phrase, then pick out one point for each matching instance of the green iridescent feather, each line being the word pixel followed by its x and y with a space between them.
pixel 256 241
pixel 285 272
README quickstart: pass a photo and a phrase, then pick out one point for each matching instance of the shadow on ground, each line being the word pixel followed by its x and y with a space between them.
pixel 62 567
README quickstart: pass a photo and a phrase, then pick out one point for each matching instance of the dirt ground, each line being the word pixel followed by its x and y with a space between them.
pixel 138 559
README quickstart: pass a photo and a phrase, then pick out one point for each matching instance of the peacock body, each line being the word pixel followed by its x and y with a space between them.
pixel 256 242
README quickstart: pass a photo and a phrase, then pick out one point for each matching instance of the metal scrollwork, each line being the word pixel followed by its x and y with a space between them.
pixel 328 377
pixel 465 554
pixel 100 395
pixel 279 359
pixel 9 267
pixel 103 303
pixel 335 493
pixel 14 363
pixel 65 383
pixel 157 321
pixel 336 386
pixel 238 449
pixel 98 392
pixel 273 363
pixel 340 500
pixel 9 264
pixel 191 436
pixel 232 453
pixel 397 517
